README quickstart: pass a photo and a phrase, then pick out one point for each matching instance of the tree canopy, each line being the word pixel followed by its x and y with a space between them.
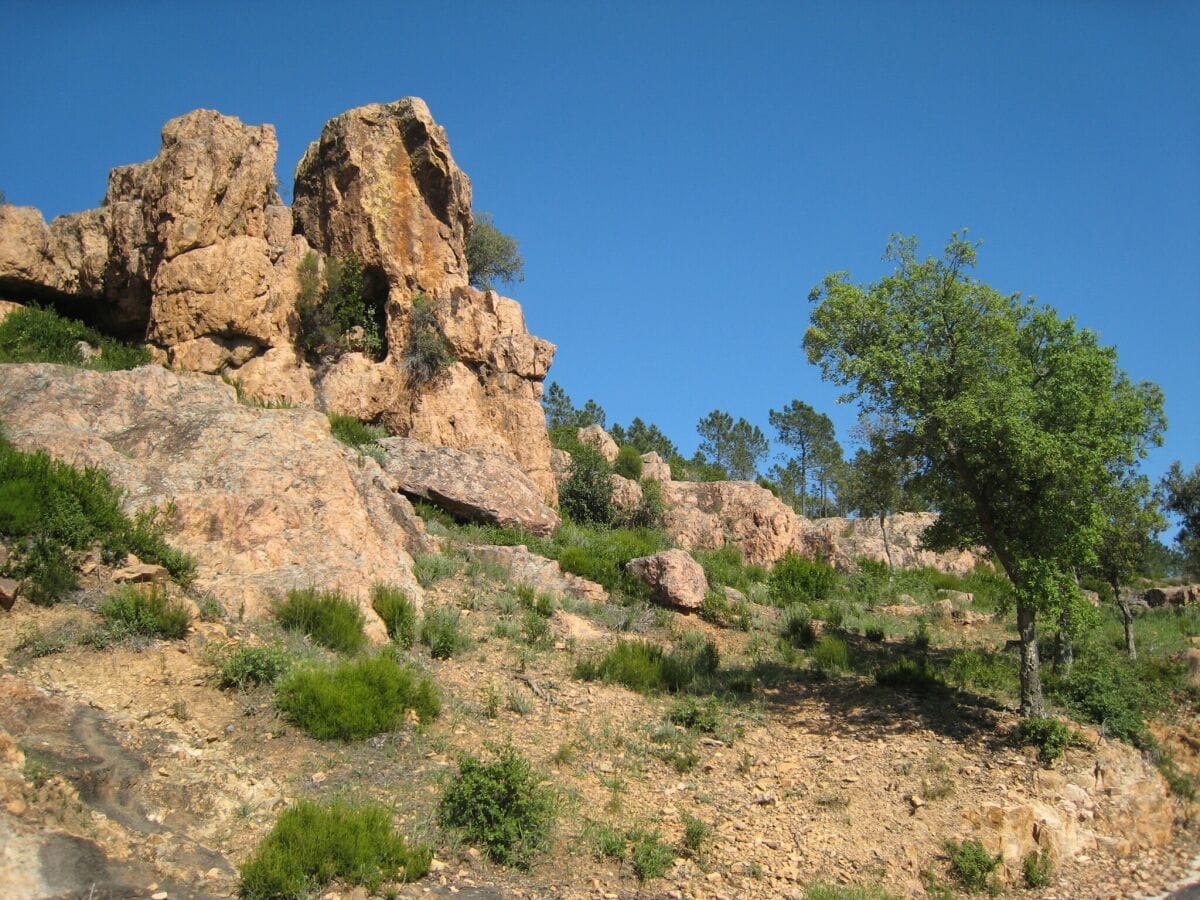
pixel 738 447
pixel 1017 418
pixel 1181 495
pixel 817 451
pixel 492 255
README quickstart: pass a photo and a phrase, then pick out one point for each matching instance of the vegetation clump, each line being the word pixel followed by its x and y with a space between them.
pixel 50 511
pixel 796 579
pixel 31 334
pixel 492 255
pixel 651 856
pixel 134 610
pixel 628 463
pixel 586 496
pixel 971 864
pixel 249 665
pixel 398 612
pixel 908 674
pixel 360 435
pixel 312 844
pixel 647 668
pixel 1050 736
pixel 357 698
pixel 331 620
pixel 337 315
pixel 502 807
pixel 442 632
pixel 429 352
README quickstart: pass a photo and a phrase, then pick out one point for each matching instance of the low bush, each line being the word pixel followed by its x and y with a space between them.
pixel 442 632
pixel 647 668
pixel 628 463
pixel 695 714
pixel 600 554
pixel 1050 736
pixel 399 613
pixel 359 435
pixel 971 864
pixel 726 567
pixel 831 654
pixel 357 698
pixel 430 568
pixel 586 496
pixel 250 665
pixel 907 674
pixel 133 610
pixel 609 842
pixel 32 334
pixel 338 312
pixel 992 673
pixel 50 510
pixel 652 858
pixel 502 807
pixel 429 352
pixel 797 627
pixel 650 510
pixel 821 891
pixel 1105 690
pixel 312 844
pixel 331 620
pixel 695 833
pixel 1036 869
pixel 796 579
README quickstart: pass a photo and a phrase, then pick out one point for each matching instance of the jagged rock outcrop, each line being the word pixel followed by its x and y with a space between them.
pixel 560 466
pixel 655 467
pixel 707 515
pixel 266 500
pixel 1173 595
pixel 381 182
pixel 674 578
pixel 626 493
pixel 472 484
pixel 841 541
pixel 195 251
pixel 595 436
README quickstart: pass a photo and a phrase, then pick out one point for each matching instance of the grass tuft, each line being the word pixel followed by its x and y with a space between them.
pixel 331 620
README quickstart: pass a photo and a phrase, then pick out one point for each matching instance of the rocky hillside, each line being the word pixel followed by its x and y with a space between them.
pixel 253 562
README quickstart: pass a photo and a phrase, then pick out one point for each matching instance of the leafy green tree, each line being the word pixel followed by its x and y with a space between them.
pixel 738 447
pixel 810 434
pixel 561 410
pixel 492 255
pixel 873 484
pixel 1131 522
pixel 1181 495
pixel 1017 417
pixel 646 438
pixel 586 496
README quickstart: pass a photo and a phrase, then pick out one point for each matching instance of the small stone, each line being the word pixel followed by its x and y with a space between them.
pixel 916 800
pixel 16 807
pixel 318 777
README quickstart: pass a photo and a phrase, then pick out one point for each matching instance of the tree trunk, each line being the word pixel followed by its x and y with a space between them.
pixel 1127 618
pixel 1064 652
pixel 1032 704
pixel 887 548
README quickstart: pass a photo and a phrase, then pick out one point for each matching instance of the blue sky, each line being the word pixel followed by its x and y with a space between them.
pixel 681 174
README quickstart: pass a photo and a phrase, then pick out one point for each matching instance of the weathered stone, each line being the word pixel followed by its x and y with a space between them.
pixel 476 484
pixel 842 541
pixel 709 515
pixel 266 500
pixel 560 465
pixel 595 436
pixel 541 574
pixel 674 577
pixel 137 572
pixel 626 493
pixel 1175 595
pixel 655 467
pixel 9 590
pixel 381 182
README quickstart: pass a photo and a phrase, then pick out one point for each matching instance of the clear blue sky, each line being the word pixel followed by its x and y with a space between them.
pixel 681 174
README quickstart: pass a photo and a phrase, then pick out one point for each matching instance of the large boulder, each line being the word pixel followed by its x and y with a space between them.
pixel 266 500
pixel 655 467
pixel 540 573
pixel 381 182
pixel 842 541
pixel 708 515
pixel 1172 595
pixel 477 485
pixel 596 437
pixel 673 576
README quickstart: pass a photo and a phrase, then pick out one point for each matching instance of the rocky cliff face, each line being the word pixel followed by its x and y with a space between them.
pixel 266 500
pixel 195 252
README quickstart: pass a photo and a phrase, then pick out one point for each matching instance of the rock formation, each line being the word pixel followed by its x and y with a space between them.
pixel 473 484
pixel 194 252
pixel 266 500
pixel 841 541
pixel 707 515
pixel 673 576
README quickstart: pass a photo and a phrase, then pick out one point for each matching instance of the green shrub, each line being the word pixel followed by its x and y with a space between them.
pixel 695 833
pixel 442 632
pixel 501 806
pixel 586 496
pixel 430 568
pixel 535 628
pixel 37 643
pixel 695 714
pixel 831 654
pixel 971 863
pixel 31 334
pixel 399 614
pixel 651 857
pixel 907 674
pixel 149 613
pixel 248 665
pixel 821 891
pixel 725 567
pixel 1036 869
pixel 609 842
pixel 1103 689
pixel 429 352
pixel 994 673
pixel 331 620
pixel 357 698
pixel 600 554
pixel 650 510
pixel 628 463
pixel 338 317
pixel 359 435
pixel 797 579
pixel 492 255
pixel 1050 736
pixel 312 844
pixel 797 627
pixel 50 510
pixel 647 668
